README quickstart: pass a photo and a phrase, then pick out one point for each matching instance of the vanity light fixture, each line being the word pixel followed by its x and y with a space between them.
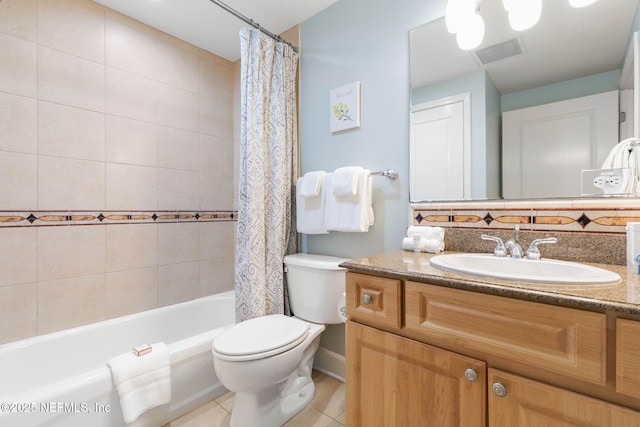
pixel 463 18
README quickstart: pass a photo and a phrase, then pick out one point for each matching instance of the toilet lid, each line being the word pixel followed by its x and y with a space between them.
pixel 260 337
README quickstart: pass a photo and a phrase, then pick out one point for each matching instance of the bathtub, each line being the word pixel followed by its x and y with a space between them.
pixel 61 379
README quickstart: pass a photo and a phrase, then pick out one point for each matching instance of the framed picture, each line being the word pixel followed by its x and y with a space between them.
pixel 345 107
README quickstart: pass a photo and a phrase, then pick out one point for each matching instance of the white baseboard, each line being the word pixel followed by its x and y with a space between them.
pixel 329 363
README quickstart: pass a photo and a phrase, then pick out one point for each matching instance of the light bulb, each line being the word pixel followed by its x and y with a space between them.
pixel 581 3
pixel 524 14
pixel 457 12
pixel 470 35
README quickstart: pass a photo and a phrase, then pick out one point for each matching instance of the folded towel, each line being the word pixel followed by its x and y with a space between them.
pixel 623 155
pixel 310 211
pixel 426 232
pixel 312 183
pixel 349 213
pixel 143 382
pixel 433 246
pixel 345 181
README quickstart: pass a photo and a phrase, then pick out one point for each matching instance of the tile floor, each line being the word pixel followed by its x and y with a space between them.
pixel 326 408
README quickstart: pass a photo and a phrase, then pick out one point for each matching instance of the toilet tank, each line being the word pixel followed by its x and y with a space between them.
pixel 315 284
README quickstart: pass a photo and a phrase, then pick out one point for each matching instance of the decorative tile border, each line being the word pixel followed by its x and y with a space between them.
pixel 57 218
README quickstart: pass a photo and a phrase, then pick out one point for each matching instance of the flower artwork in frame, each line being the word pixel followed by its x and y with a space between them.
pixel 345 107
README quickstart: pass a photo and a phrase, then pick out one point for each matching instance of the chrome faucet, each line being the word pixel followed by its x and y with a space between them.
pixel 514 244
pixel 533 252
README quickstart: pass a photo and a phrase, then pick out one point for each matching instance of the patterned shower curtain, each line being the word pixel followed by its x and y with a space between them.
pixel 268 170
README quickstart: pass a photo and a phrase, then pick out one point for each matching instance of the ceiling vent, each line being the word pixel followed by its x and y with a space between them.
pixel 499 52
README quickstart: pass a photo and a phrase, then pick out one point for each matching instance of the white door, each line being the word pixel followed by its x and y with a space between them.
pixel 439 148
pixel 545 148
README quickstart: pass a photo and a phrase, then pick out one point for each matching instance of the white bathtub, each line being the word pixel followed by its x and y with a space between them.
pixel 61 379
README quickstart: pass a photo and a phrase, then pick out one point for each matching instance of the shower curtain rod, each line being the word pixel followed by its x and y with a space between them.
pixel 252 23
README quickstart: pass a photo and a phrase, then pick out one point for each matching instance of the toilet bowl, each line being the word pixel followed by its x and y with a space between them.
pixel 267 361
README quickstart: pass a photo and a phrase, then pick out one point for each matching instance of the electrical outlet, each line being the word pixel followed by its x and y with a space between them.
pixel 608 181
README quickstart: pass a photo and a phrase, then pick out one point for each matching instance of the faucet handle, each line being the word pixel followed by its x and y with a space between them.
pixel 500 250
pixel 533 252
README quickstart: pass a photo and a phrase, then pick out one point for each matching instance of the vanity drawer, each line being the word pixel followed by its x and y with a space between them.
pixel 628 357
pixel 562 340
pixel 374 300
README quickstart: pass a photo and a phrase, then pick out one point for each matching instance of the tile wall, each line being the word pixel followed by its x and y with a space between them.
pixel 116 167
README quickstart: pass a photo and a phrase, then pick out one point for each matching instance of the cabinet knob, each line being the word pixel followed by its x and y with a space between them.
pixel 366 299
pixel 471 374
pixel 499 389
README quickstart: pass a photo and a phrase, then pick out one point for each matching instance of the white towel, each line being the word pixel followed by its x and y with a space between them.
pixel 426 232
pixel 143 382
pixel 623 155
pixel 433 246
pixel 349 213
pixel 312 183
pixel 310 211
pixel 346 181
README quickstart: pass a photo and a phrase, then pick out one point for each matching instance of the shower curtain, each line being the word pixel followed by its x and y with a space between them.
pixel 268 170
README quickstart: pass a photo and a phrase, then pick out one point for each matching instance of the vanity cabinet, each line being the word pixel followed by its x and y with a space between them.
pixel 425 355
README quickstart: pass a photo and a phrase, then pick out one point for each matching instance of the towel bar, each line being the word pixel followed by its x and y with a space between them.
pixel 392 174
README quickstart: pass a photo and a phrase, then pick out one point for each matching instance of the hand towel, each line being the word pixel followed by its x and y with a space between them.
pixel 433 246
pixel 310 211
pixel 346 181
pixel 349 213
pixel 143 382
pixel 312 183
pixel 426 232
pixel 623 155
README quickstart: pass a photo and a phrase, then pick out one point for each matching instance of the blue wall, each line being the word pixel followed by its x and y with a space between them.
pixel 366 41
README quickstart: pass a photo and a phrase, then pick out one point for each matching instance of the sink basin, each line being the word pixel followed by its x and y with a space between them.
pixel 525 270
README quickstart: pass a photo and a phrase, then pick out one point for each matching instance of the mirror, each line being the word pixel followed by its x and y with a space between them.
pixel 569 53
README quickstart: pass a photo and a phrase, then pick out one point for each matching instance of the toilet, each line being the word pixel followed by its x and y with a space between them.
pixel 267 360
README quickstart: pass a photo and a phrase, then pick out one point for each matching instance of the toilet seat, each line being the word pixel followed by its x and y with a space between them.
pixel 260 337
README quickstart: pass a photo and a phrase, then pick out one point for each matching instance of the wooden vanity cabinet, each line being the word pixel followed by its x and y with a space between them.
pixel 412 368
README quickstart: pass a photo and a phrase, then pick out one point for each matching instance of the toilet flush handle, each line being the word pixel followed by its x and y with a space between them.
pixel 366 299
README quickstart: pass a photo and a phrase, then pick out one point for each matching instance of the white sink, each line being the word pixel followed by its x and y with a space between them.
pixel 524 270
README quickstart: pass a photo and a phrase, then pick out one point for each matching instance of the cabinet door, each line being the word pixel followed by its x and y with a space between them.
pixel 395 381
pixel 528 403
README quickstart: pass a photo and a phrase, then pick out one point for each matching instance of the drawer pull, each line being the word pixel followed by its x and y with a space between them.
pixel 499 389
pixel 471 374
pixel 366 299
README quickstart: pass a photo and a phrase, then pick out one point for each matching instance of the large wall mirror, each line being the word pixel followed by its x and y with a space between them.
pixel 570 53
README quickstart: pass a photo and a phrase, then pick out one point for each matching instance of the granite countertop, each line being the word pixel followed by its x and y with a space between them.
pixel 623 297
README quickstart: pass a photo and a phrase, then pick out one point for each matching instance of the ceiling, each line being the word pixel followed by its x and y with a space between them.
pixel 209 27
pixel 567 43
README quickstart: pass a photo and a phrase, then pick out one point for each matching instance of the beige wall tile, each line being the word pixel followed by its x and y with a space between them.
pixel 131 246
pixel 216 155
pixel 177 108
pixel 178 149
pixel 65 252
pixel 216 79
pixel 18 18
pixel 18 256
pixel 71 302
pixel 18 124
pixel 131 291
pixel 18 74
pixel 216 118
pixel 131 141
pixel 18 186
pixel 70 184
pixel 69 27
pixel 70 132
pixel 18 312
pixel 178 283
pixel 178 67
pixel 131 96
pixel 131 49
pixel 70 80
pixel 178 190
pixel 131 187
pixel 216 192
pixel 217 275
pixel 217 239
pixel 178 243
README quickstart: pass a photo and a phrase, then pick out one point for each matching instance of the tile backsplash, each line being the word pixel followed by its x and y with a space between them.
pixel 116 167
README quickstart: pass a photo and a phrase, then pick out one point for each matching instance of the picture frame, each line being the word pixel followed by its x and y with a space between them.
pixel 345 107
